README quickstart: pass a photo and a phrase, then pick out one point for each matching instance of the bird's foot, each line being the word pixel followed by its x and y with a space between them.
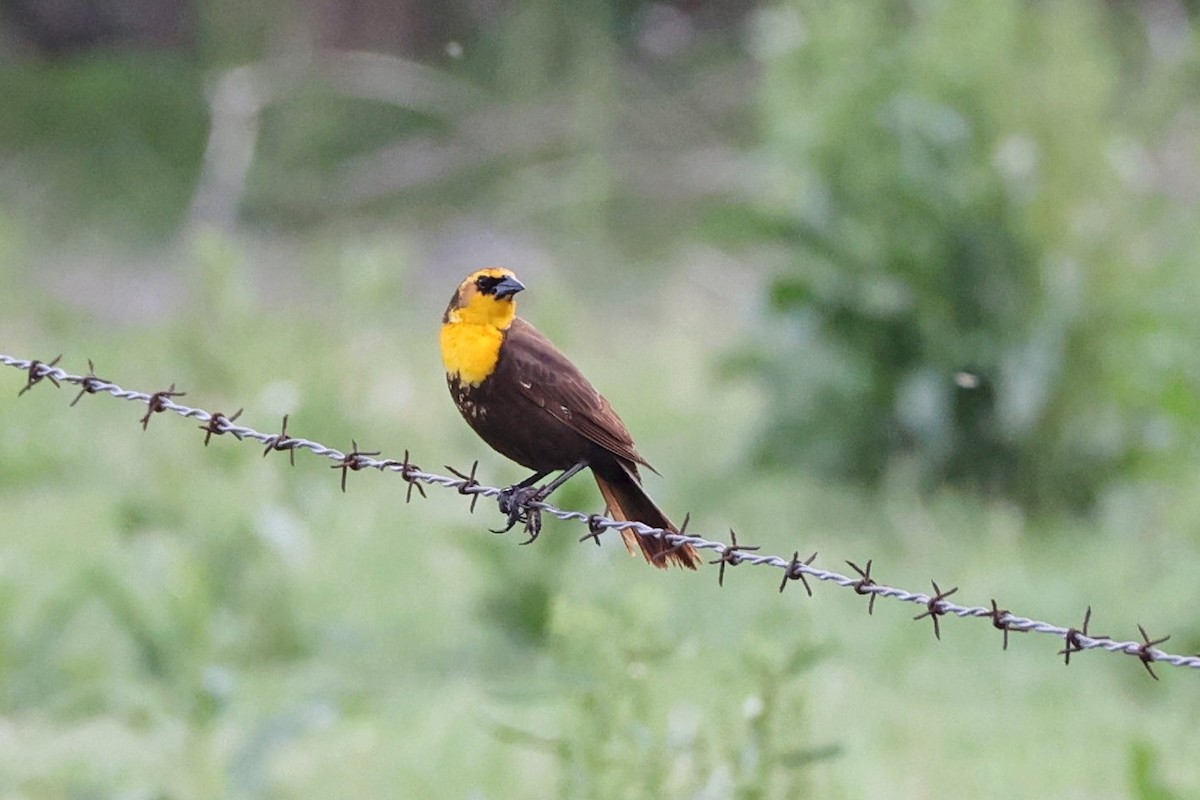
pixel 519 505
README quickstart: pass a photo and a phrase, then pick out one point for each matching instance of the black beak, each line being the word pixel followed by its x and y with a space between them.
pixel 507 287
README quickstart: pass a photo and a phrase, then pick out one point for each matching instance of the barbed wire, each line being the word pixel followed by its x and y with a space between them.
pixel 529 511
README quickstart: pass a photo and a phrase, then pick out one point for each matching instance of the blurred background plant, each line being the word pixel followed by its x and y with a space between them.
pixel 922 275
pixel 981 222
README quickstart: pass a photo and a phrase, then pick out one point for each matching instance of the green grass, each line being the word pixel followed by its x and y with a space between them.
pixel 188 622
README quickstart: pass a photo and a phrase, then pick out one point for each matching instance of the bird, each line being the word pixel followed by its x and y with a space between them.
pixel 526 400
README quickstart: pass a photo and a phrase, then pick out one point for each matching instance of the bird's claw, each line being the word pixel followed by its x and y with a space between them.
pixel 518 504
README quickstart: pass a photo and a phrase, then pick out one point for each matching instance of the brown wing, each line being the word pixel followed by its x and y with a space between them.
pixel 548 379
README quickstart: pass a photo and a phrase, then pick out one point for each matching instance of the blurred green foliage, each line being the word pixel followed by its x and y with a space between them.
pixel 983 271
pixel 103 143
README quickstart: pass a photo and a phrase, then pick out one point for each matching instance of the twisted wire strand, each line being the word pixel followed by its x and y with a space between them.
pixel 1075 639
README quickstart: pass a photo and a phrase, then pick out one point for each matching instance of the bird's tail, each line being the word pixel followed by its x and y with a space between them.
pixel 628 502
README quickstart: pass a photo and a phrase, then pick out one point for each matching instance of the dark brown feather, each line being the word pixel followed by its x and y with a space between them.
pixel 550 381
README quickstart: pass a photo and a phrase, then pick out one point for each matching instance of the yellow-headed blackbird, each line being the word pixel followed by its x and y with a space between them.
pixel 531 404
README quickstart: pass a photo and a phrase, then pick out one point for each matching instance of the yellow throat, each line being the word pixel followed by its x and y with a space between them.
pixel 472 332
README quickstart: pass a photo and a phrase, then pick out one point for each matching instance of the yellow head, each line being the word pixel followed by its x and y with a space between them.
pixel 486 297
pixel 473 326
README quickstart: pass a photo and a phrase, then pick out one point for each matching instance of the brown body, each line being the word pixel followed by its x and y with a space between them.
pixel 536 408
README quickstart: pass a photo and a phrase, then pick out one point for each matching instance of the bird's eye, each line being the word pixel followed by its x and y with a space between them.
pixel 487 283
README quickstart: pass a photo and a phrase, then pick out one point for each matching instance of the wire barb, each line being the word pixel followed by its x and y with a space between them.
pixel 1145 651
pixel 37 371
pixel 1000 621
pixel 934 608
pixel 281 441
pixel 795 571
pixel 1076 639
pixel 89 384
pixel 219 424
pixel 595 524
pixel 676 541
pixel 470 486
pixel 411 473
pixel 865 583
pixel 158 402
pixel 731 555
pixel 354 460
